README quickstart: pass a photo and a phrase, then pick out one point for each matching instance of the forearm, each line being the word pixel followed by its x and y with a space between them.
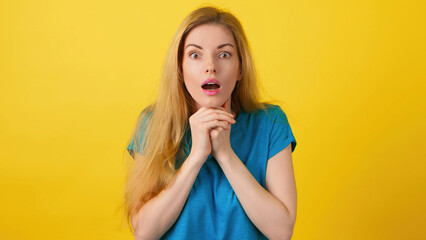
pixel 266 212
pixel 160 213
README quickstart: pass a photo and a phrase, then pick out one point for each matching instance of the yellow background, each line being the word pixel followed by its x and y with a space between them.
pixel 351 74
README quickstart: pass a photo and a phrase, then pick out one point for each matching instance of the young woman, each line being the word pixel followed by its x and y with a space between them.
pixel 210 160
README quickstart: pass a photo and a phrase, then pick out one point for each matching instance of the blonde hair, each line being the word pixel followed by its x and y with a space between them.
pixel 165 122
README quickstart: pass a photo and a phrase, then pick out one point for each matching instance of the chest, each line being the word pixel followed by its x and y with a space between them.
pixel 211 184
pixel 212 207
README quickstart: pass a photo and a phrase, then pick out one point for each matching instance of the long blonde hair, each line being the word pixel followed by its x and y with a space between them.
pixel 165 122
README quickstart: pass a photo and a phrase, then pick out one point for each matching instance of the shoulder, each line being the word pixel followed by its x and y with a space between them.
pixel 139 130
pixel 272 113
pixel 146 112
pixel 144 116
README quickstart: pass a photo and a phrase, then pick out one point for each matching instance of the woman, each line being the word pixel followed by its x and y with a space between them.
pixel 211 160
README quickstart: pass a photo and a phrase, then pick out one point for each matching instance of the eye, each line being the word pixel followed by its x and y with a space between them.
pixel 193 54
pixel 227 54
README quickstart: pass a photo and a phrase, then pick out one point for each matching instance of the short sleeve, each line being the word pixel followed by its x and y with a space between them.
pixel 281 134
pixel 131 148
pixel 136 141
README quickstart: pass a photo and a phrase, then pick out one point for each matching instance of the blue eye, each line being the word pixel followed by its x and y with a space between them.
pixel 191 54
pixel 229 55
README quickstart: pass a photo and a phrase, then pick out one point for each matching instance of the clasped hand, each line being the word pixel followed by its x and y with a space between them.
pixel 211 130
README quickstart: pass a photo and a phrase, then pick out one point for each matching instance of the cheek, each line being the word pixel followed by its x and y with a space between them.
pixel 230 87
pixel 189 74
pixel 231 68
pixel 186 77
pixel 232 73
pixel 190 82
pixel 191 85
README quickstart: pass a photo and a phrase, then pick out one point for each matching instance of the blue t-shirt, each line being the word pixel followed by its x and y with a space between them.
pixel 212 210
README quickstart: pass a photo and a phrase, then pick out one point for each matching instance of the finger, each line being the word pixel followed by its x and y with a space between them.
pixel 214 133
pixel 213 110
pixel 223 126
pixel 217 116
pixel 216 124
pixel 201 110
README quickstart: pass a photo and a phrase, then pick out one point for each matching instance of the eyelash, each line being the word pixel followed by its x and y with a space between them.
pixel 190 54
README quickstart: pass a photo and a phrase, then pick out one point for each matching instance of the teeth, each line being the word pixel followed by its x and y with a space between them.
pixel 210 83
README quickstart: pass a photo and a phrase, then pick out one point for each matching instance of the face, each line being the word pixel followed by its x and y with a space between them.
pixel 210 53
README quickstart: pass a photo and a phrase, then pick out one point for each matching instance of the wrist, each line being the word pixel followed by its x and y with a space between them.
pixel 197 157
pixel 226 156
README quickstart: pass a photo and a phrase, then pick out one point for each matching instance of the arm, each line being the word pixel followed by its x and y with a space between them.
pixel 160 213
pixel 272 211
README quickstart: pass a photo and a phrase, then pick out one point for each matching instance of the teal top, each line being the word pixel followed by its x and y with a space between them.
pixel 212 210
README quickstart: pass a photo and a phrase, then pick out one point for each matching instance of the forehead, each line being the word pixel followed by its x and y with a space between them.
pixel 211 34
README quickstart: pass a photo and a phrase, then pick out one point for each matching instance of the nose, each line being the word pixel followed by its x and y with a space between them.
pixel 210 67
pixel 210 70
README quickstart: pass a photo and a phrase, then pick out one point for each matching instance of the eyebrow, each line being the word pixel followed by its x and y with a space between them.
pixel 220 46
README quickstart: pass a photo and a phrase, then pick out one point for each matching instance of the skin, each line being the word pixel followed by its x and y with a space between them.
pixel 210 62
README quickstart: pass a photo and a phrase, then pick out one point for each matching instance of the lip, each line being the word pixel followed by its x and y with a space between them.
pixel 212 80
pixel 211 92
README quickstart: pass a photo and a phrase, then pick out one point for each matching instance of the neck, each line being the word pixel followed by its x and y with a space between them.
pixel 194 110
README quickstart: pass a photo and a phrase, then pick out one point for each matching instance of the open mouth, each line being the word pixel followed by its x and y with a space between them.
pixel 211 86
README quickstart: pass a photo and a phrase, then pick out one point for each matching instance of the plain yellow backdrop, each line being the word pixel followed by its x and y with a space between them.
pixel 76 74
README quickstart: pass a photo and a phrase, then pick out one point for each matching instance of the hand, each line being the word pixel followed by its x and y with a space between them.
pixel 220 136
pixel 201 123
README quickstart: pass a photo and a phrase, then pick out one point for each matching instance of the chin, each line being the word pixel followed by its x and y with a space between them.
pixel 213 103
